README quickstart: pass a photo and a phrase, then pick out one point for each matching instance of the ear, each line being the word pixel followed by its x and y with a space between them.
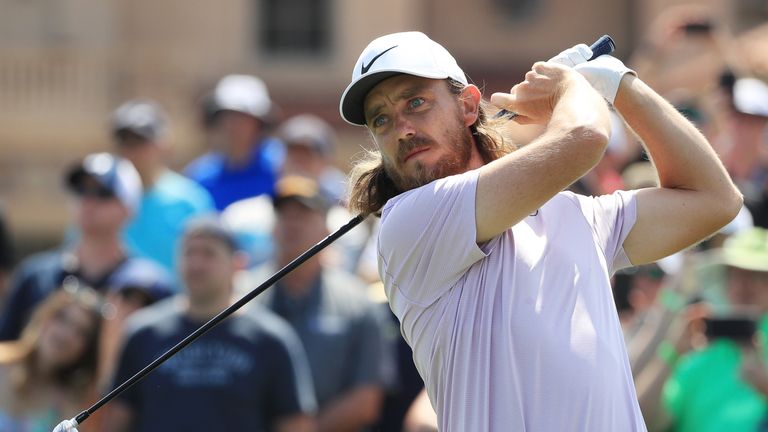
pixel 470 104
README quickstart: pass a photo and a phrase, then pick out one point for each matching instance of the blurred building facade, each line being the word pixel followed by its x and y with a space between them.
pixel 65 64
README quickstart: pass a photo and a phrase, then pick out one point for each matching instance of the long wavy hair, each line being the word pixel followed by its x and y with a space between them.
pixel 80 376
pixel 372 187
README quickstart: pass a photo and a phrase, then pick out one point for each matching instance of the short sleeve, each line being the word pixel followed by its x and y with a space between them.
pixel 428 237
pixel 611 218
pixel 291 390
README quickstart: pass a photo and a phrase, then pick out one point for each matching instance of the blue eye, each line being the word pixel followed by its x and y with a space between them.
pixel 415 102
pixel 378 121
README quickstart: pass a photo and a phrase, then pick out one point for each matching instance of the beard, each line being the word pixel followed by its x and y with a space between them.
pixel 455 161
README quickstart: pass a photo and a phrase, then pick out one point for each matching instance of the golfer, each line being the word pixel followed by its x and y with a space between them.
pixel 501 280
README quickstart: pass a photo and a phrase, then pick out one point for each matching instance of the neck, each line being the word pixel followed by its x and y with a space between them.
pixel 149 175
pixel 299 282
pixel 240 153
pixel 97 254
pixel 205 310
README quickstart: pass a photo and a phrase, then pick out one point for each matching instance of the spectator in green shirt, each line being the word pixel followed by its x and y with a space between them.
pixel 724 386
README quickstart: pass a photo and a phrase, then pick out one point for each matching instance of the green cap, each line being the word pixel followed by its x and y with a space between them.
pixel 747 250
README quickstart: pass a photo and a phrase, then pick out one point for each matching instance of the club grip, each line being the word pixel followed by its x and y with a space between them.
pixel 604 45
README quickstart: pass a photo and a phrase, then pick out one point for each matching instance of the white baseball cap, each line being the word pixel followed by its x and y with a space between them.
pixel 411 53
pixel 115 174
pixel 242 93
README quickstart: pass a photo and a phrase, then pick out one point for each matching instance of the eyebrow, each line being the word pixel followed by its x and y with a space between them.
pixel 406 93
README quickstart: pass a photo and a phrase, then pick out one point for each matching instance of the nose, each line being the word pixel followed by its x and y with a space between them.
pixel 404 127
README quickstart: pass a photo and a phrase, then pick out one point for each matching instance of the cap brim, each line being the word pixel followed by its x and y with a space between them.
pixel 354 96
pixel 78 173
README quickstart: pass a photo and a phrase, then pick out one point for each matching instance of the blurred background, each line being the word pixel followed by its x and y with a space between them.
pixel 65 65
pixel 123 120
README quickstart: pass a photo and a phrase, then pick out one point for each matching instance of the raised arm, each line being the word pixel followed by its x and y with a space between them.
pixel 578 126
pixel 696 196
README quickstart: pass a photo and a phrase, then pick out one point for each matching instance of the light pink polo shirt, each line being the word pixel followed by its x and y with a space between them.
pixel 519 333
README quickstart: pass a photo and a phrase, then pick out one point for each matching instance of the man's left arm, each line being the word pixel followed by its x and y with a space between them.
pixel 696 196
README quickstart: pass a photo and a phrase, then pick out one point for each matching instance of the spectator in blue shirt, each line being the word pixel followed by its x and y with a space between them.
pixel 140 131
pixel 243 161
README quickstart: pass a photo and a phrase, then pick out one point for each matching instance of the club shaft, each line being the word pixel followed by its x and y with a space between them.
pixel 80 418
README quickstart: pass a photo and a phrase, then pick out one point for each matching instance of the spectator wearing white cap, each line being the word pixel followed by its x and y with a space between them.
pixel 243 161
pixel 106 191
pixel 742 141
pixel 140 132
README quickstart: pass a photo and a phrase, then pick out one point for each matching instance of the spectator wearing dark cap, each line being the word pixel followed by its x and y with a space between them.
pixel 140 131
pixel 106 191
pixel 243 161
pixel 247 373
pixel 340 328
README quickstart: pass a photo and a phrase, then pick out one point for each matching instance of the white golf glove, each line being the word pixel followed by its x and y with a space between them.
pixel 604 72
pixel 573 56
pixel 66 426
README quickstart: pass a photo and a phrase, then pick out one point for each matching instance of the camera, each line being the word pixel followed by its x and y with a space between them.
pixel 738 327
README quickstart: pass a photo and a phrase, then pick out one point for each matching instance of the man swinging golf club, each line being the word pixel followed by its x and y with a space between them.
pixel 500 280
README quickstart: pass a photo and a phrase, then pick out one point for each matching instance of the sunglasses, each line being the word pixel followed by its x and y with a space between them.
pixel 99 193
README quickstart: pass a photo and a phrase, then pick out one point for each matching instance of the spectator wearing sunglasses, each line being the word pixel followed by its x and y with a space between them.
pixel 140 133
pixel 105 191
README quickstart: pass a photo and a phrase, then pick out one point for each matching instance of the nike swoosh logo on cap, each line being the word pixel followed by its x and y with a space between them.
pixel 373 60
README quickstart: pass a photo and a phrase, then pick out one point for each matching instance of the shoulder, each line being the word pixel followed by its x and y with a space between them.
pixel 432 192
pixel 431 203
pixel 272 151
pixel 162 317
pixel 39 271
pixel 205 166
pixel 259 323
pixel 43 261
pixel 181 189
